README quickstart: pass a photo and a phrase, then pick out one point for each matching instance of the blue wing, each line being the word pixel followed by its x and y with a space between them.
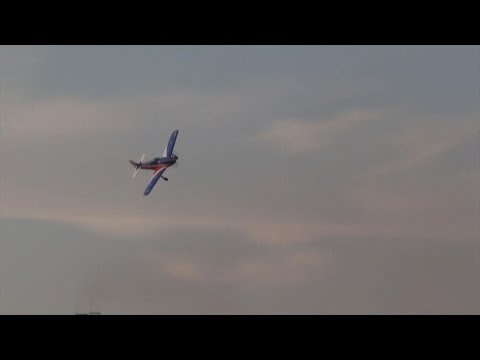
pixel 156 175
pixel 171 143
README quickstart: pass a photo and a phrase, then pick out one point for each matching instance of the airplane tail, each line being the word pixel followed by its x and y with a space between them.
pixel 138 165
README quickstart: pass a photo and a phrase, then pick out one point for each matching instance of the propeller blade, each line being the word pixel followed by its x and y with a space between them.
pixel 176 163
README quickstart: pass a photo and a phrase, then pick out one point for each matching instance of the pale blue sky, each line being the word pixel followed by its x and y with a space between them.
pixel 311 179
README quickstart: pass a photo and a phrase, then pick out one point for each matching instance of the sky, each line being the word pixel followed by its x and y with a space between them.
pixel 310 180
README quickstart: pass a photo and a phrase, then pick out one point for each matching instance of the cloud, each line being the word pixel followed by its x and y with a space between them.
pixel 37 121
pixel 365 207
pixel 28 120
pixel 287 269
pixel 299 136
pixel 422 142
pixel 57 268
pixel 344 194
pixel 395 212
pixel 219 256
pixel 178 267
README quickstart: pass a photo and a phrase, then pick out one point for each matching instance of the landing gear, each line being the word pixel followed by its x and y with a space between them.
pixel 164 178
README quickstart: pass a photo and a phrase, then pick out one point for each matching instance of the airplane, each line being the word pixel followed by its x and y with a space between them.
pixel 158 164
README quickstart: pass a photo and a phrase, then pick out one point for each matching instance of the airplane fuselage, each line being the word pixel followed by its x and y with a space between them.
pixel 158 163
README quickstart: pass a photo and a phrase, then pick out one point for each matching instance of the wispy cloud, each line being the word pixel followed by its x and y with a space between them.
pixel 278 269
pixel 427 139
pixel 44 120
pixel 301 136
pixel 26 119
pixel 178 266
pixel 284 269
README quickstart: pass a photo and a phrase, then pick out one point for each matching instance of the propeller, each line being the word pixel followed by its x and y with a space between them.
pixel 139 165
pixel 176 163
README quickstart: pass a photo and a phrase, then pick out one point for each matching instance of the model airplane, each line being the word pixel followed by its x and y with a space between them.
pixel 158 165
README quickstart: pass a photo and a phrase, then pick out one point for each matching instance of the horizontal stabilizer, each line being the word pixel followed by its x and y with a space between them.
pixel 134 164
pixel 138 165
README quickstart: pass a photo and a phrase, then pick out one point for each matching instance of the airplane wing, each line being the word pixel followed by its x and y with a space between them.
pixel 156 175
pixel 171 143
